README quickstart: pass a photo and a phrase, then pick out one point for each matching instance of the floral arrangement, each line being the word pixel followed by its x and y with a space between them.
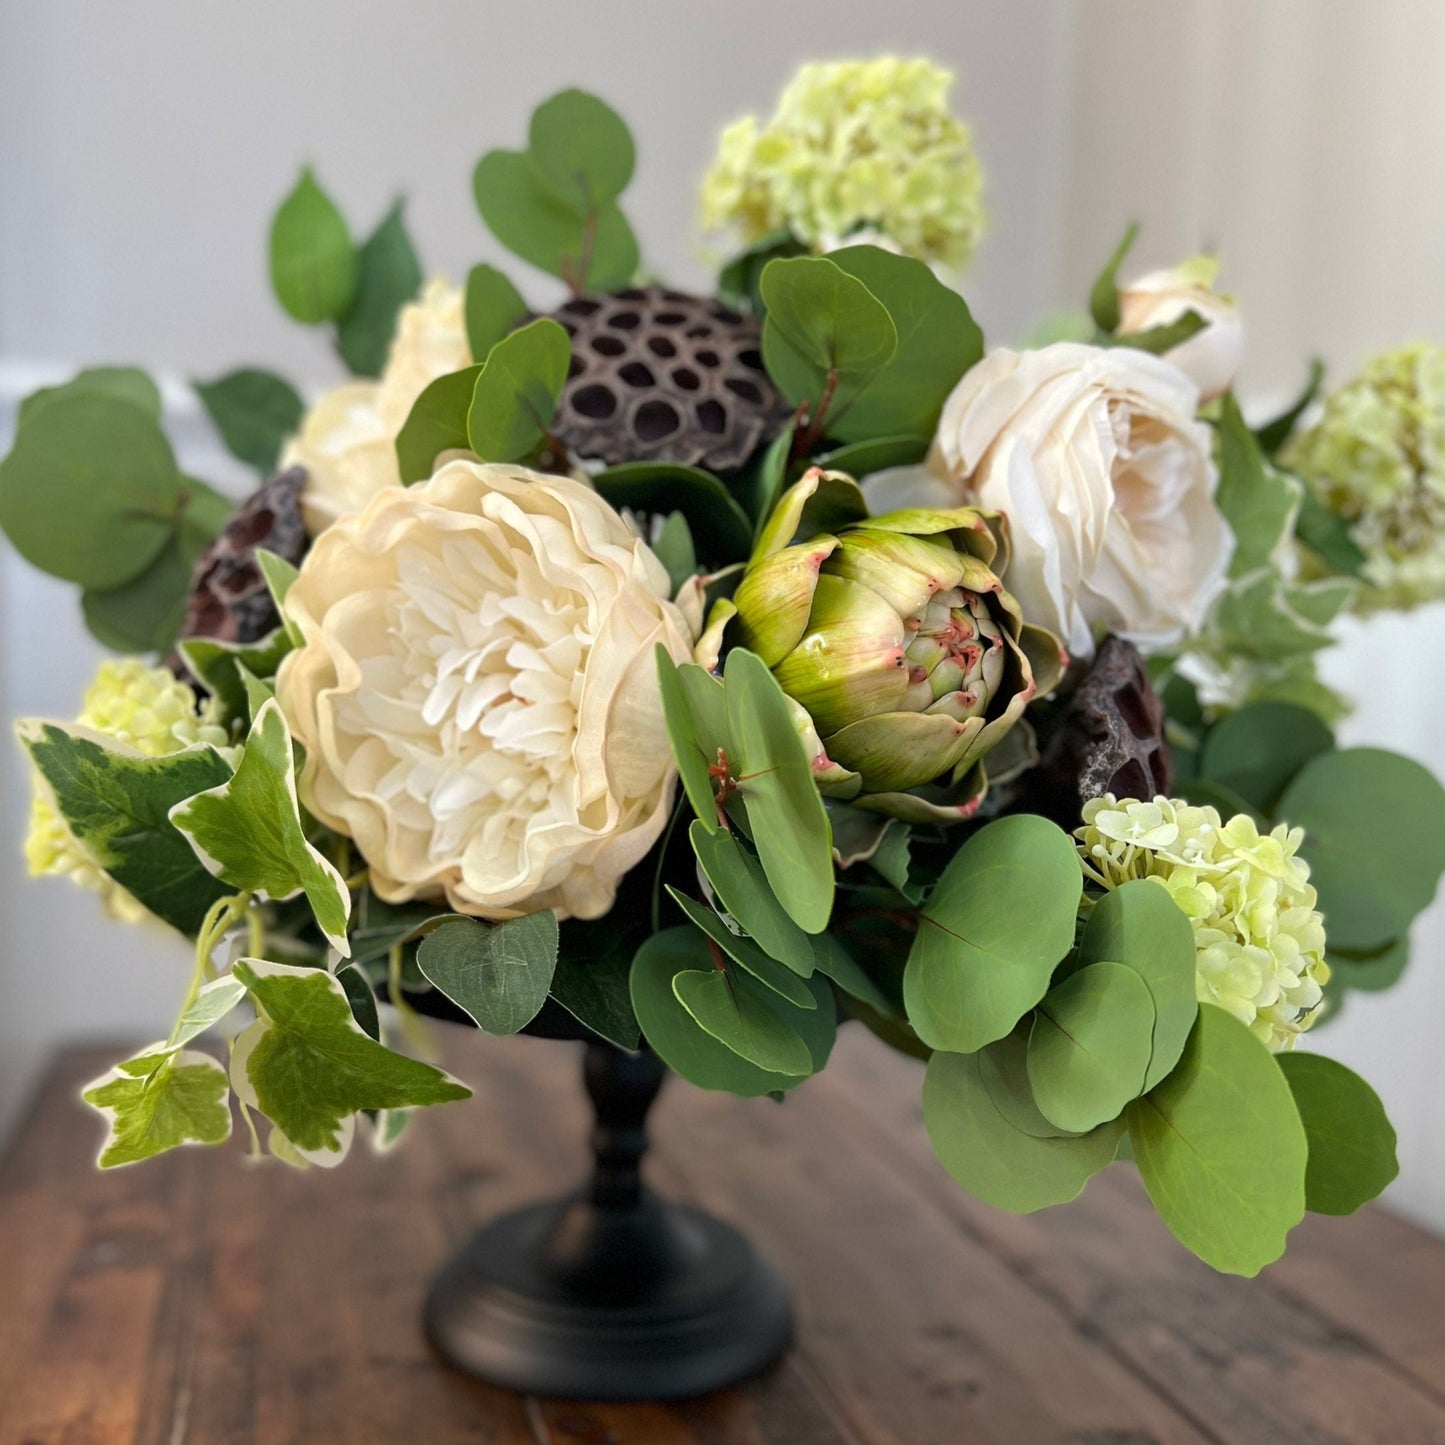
pixel 721 668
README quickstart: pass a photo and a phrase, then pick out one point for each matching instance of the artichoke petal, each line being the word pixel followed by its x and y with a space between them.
pixel 905 571
pixel 899 750
pixel 775 598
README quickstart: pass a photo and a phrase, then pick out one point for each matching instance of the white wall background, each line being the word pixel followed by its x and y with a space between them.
pixel 143 146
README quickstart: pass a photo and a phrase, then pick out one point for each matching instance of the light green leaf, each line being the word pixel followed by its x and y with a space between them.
pixel 789 825
pixel 693 754
pixel 743 951
pixel 995 927
pixel 739 881
pixel 437 423
pixel 248 831
pixel 494 307
pixel 1351 1142
pixel 499 975
pixel 117 804
pixel 159 1100
pixel 310 1067
pixel 994 1159
pixel 144 614
pixel 675 1035
pixel 515 396
pixel 210 1005
pixel 389 276
pixel 1221 1149
pixel 1090 1046
pixel 1256 751
pixel 1258 501
pixel 529 220
pixel 938 340
pixel 314 267
pixel 254 411
pixel 125 383
pixel 1374 839
pixel 90 491
pixel 734 1010
pixel 1104 295
pixel 258 693
pixel 279 574
pixel 673 547
pixel 831 319
pixel 581 148
pixel 1141 927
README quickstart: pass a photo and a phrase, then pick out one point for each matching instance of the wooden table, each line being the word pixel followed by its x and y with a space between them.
pixel 197 1300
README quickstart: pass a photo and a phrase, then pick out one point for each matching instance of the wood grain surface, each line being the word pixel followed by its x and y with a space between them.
pixel 201 1300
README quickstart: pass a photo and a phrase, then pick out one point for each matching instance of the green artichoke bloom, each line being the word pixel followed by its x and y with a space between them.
pixel 893 636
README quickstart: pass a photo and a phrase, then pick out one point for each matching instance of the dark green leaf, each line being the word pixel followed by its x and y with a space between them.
pixel 437 423
pixel 735 1011
pixel 1274 434
pixel 860 459
pixel 1159 339
pixel 145 614
pixel 499 975
pixel 314 266
pixel 738 281
pixel 743 951
pixel 1351 1142
pixel 595 992
pixel 254 411
pixel 516 392
pixel 719 525
pixel 361 999
pixel 1328 535
pixel 1257 751
pixel 1104 295
pixel 389 277
pixel 216 665
pixel 493 308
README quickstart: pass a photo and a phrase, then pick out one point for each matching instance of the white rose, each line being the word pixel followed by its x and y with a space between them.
pixel 1106 478
pixel 1211 357
pixel 347 441
pixel 476 692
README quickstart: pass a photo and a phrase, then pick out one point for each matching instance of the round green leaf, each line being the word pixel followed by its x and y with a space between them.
pixel 744 952
pixel 830 318
pixel 493 308
pixel 314 266
pixel 581 148
pixel 1004 1069
pixel 1374 839
pixel 516 392
pixel 437 423
pixel 1256 751
pixel 144 614
pixel 499 974
pixel 1351 1142
pixel 1221 1149
pixel 861 459
pixel 1373 971
pixel 730 1007
pixel 996 925
pixel 991 1157
pixel 674 1034
pixel 90 491
pixel 1140 926
pixel 789 825
pixel 1090 1046
pixel 938 340
pixel 719 525
pixel 126 383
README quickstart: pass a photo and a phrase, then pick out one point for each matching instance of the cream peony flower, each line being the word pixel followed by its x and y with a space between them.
pixel 347 441
pixel 1259 941
pixel 476 691
pixel 1107 481
pixel 1211 357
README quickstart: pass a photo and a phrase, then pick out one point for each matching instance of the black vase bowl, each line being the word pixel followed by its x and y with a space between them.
pixel 611 1293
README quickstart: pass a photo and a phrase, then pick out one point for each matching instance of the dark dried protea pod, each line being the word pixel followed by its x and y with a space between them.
pixel 229 599
pixel 662 376
pixel 1108 737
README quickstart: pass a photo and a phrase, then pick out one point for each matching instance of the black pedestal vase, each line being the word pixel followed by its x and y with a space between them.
pixel 611 1293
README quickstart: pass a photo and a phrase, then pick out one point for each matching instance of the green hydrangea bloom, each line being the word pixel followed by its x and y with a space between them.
pixel 854 146
pixel 141 707
pixel 1377 458
pixel 1260 943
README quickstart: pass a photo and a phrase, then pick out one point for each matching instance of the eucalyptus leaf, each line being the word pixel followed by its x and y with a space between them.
pixel 1351 1142
pixel 248 831
pixel 1221 1149
pixel 389 276
pixel 117 804
pixel 693 755
pixel 144 614
pixel 733 1009
pixel 1374 839
pixel 996 925
pixel 315 268
pixel 437 423
pixel 595 992
pixel 124 383
pixel 581 148
pixel 1090 1046
pixel 994 1159
pixel 744 952
pixel 1257 751
pixel 254 411
pixel 832 319
pixel 500 974
pixel 90 491
pixel 515 396
pixel 494 307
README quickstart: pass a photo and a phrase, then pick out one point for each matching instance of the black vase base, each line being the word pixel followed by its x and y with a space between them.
pixel 658 1301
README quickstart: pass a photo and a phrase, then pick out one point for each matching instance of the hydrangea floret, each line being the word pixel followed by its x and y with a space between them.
pixel 854 146
pixel 140 707
pixel 1260 940
pixel 1376 457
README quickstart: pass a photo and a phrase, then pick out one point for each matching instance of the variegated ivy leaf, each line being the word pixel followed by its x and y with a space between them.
pixel 118 802
pixel 208 1008
pixel 1254 618
pixel 158 1100
pixel 248 831
pixel 310 1068
pixel 1259 501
